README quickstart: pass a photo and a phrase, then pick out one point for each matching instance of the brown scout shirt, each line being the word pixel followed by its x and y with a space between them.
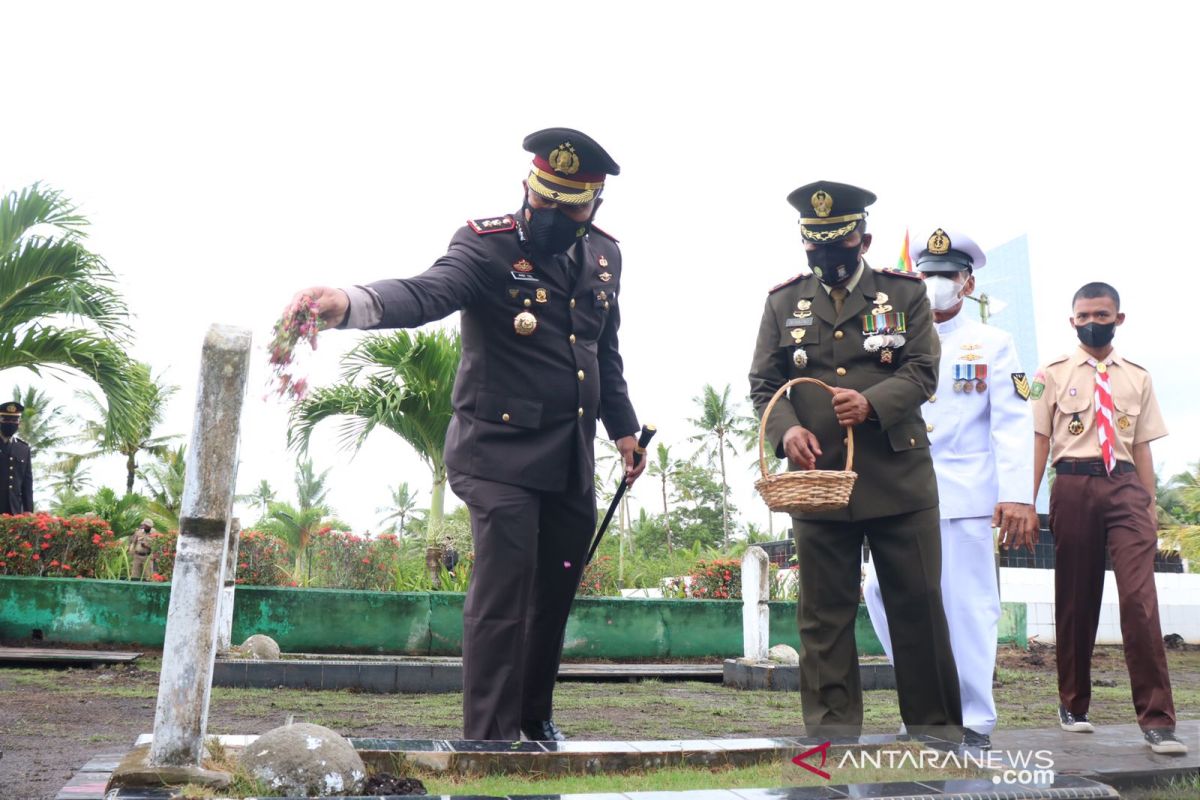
pixel 1068 389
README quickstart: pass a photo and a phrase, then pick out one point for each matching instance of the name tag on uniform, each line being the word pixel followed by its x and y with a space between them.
pixel 802 322
pixel 521 276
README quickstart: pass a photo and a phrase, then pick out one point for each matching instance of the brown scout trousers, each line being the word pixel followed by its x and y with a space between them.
pixel 1088 513
pixel 529 552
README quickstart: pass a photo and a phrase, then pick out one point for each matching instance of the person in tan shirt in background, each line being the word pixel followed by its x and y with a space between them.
pixel 1095 416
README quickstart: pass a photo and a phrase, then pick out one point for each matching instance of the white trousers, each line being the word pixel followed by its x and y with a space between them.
pixel 972 600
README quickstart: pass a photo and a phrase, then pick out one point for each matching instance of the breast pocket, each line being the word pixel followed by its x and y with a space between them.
pixel 1074 399
pixel 1126 411
pixel 908 436
pixel 505 410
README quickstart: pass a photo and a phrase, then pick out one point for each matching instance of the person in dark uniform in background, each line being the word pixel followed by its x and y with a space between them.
pixel 869 335
pixel 1094 417
pixel 539 295
pixel 16 462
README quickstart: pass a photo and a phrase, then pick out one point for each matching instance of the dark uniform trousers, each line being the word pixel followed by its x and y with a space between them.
pixel 519 446
pixel 529 552
pixel 1089 513
pixel 894 504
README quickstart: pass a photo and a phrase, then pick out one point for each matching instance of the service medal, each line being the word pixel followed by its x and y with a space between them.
pixel 800 358
pixel 1075 426
pixel 524 323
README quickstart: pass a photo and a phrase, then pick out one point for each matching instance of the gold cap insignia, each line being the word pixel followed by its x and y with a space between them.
pixel 822 203
pixel 564 159
pixel 10 408
pixel 540 296
pixel 939 243
pixel 523 266
pixel 524 323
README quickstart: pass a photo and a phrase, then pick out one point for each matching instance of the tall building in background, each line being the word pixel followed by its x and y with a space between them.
pixel 1008 286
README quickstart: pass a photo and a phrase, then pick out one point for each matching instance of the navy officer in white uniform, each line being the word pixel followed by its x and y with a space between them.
pixel 981 433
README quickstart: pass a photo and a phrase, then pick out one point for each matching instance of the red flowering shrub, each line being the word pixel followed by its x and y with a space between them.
pixel 719 579
pixel 599 578
pixel 52 547
pixel 342 560
pixel 262 560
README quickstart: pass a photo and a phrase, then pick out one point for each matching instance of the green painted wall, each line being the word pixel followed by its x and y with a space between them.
pixel 417 623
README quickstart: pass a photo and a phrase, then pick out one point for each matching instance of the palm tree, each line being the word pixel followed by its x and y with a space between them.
pixel 403 502
pixel 310 487
pixel 750 439
pixel 131 434
pixel 40 421
pixel 69 479
pixel 165 480
pixel 401 381
pixel 719 421
pixel 262 496
pixel 47 273
pixel 663 468
pixel 295 527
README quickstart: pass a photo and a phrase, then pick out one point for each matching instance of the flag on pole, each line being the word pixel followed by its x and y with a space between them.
pixel 904 264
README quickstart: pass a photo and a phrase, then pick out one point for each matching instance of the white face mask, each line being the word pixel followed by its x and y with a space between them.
pixel 943 292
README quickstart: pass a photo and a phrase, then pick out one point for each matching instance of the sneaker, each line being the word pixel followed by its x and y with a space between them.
pixel 1162 740
pixel 1074 723
pixel 974 740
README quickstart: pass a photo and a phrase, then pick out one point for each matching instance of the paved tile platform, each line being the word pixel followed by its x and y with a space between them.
pixel 390 674
pixel 50 655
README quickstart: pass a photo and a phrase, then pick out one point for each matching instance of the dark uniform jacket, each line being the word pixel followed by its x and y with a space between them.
pixel 891 449
pixel 525 407
pixel 16 464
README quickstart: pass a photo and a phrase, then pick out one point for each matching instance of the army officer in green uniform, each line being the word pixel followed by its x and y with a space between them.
pixel 869 335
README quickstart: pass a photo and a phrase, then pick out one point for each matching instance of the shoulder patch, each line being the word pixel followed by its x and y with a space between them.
pixel 604 233
pixel 1021 385
pixel 492 224
pixel 912 276
pixel 788 282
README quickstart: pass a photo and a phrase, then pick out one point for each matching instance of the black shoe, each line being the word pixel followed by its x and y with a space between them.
pixel 1162 740
pixel 542 730
pixel 1074 723
pixel 976 742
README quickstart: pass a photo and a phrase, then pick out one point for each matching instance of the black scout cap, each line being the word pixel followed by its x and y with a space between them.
pixel 568 166
pixel 829 212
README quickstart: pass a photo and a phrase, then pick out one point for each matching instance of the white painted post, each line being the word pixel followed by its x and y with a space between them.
pixel 756 614
pixel 185 684
pixel 225 624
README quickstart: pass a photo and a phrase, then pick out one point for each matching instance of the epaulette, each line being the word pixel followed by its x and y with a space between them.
pixel 492 224
pixel 788 282
pixel 912 276
pixel 1058 360
pixel 1131 362
pixel 605 233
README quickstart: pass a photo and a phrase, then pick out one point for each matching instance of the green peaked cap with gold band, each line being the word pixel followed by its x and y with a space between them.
pixel 829 211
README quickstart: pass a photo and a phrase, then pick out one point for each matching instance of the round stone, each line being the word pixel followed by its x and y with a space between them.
pixel 306 760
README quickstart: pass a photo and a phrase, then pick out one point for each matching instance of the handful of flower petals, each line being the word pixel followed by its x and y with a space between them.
pixel 303 324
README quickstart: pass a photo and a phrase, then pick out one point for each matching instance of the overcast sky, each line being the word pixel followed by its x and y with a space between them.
pixel 231 153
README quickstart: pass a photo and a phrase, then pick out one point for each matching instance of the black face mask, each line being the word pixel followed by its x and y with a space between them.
pixel 9 428
pixel 1096 334
pixel 834 265
pixel 551 231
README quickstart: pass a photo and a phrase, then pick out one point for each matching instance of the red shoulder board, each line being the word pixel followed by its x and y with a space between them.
pixel 912 276
pixel 788 282
pixel 605 234
pixel 492 224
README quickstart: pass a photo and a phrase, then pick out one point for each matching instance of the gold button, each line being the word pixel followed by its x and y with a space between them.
pixel 572 337
pixel 580 374
pixel 581 411
pixel 841 370
pixel 838 334
pixel 606 305
pixel 933 398
pixel 929 427
pixel 505 417
pixel 572 302
pixel 528 302
pixel 912 442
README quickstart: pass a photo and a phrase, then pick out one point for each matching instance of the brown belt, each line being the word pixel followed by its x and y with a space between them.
pixel 1093 466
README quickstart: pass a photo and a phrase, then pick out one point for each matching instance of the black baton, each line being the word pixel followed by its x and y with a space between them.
pixel 648 432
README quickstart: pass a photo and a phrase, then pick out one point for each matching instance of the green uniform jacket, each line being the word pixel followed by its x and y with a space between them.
pixel 891 449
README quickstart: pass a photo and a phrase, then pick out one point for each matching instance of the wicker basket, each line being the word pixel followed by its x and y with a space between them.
pixel 804 490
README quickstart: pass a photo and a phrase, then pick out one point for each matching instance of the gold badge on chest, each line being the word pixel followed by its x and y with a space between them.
pixel 1075 426
pixel 525 323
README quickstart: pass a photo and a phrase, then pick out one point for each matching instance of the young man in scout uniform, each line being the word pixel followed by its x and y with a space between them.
pixel 980 428
pixel 868 334
pixel 538 291
pixel 1095 416
pixel 141 551
pixel 16 462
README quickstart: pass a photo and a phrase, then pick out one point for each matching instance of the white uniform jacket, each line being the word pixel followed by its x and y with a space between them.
pixel 982 441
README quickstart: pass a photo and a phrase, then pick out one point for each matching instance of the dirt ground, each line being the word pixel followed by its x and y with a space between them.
pixel 52 721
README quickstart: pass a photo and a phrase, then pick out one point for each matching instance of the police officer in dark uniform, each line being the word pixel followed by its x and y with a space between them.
pixel 869 335
pixel 539 295
pixel 16 463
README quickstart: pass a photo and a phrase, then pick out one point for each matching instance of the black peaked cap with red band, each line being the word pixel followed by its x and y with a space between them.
pixel 568 166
